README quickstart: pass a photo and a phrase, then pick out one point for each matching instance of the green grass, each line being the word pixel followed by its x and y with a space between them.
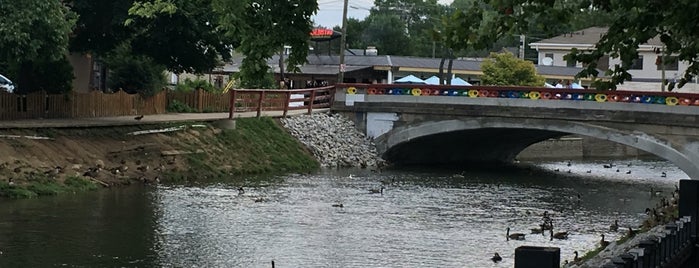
pixel 256 146
pixel 42 186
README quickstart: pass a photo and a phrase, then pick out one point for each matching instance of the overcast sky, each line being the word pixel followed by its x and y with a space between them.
pixel 330 11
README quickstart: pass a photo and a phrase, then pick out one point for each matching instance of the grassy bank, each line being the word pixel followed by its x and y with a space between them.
pixel 256 146
pixel 80 159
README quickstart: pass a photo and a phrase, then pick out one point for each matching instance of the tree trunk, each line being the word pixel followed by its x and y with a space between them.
pixel 451 63
pixel 441 71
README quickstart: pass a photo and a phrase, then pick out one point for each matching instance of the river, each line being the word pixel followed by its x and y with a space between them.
pixel 424 218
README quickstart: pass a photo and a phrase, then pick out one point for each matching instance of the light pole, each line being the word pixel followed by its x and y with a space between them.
pixel 343 39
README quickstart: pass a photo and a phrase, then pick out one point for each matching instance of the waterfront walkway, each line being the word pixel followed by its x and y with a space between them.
pixel 129 120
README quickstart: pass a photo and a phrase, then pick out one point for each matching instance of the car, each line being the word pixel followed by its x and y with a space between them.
pixel 6 84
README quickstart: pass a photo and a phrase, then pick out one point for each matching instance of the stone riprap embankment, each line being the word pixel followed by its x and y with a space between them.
pixel 333 140
pixel 614 249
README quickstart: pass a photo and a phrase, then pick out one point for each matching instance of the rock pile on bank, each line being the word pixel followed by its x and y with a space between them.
pixel 334 140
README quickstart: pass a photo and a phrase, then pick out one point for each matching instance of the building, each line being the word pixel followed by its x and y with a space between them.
pixel 366 66
pixel 647 71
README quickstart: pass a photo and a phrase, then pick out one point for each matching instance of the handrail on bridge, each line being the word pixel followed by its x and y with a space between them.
pixel 243 100
pixel 523 92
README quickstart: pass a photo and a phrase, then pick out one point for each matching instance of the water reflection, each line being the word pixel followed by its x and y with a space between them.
pixel 430 218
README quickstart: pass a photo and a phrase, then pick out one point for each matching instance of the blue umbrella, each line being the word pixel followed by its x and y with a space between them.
pixel 459 82
pixel 410 79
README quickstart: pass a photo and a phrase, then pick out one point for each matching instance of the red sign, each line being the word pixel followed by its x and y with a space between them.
pixel 324 34
pixel 321 33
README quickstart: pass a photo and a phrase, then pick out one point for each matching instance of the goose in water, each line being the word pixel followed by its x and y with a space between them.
pixel 376 191
pixel 558 235
pixel 514 236
pixel 537 231
pixel 338 205
pixel 603 243
pixel 614 227
pixel 496 258
pixel 241 190
pixel 576 258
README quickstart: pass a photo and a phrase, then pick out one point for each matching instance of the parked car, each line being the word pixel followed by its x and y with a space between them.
pixel 6 84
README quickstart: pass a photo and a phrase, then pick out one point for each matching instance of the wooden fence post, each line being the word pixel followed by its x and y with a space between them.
pixel 286 105
pixel 200 100
pixel 310 103
pixel 259 103
pixel 231 109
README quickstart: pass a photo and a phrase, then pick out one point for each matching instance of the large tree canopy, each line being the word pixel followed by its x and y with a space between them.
pixel 183 35
pixel 631 25
pixel 34 34
pixel 264 27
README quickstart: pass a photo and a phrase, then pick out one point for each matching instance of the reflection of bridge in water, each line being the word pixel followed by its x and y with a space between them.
pixel 423 124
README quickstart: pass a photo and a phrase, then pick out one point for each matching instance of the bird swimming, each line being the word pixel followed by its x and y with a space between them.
pixel 614 227
pixel 138 118
pixel 558 235
pixel 603 243
pixel 376 191
pixel 496 258
pixel 514 236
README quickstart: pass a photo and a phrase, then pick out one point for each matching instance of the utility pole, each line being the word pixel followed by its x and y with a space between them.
pixel 521 46
pixel 343 40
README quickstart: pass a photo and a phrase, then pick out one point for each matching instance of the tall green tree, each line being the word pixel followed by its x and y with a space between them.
pixel 100 27
pixel 182 35
pixel 507 70
pixel 33 31
pixel 387 33
pixel 630 26
pixel 263 28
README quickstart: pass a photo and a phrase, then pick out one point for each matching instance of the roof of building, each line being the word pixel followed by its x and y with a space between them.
pixel 328 64
pixel 588 36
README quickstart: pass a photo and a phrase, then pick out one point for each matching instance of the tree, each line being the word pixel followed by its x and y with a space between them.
pixel 33 31
pixel 506 69
pixel 387 33
pixel 100 27
pixel 263 28
pixel 630 26
pixel 182 35
pixel 134 73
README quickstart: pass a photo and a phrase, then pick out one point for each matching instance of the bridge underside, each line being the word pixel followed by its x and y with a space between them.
pixel 486 146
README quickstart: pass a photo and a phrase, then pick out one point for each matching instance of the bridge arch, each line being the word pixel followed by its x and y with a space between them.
pixel 482 139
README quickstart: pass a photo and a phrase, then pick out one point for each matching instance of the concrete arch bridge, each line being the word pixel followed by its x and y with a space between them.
pixel 421 124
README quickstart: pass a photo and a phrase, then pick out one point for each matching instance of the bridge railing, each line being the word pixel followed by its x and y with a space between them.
pixel 521 92
pixel 248 100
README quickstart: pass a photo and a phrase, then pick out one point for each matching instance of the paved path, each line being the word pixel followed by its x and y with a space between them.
pixel 129 120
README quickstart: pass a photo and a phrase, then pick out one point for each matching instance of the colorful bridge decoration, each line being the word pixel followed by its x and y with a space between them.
pixel 533 93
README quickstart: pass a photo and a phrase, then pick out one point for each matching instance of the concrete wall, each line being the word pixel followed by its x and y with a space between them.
pixel 577 147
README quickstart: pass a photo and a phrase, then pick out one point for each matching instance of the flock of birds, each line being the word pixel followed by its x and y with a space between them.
pixel 547 225
pixel 662 174
pixel 657 215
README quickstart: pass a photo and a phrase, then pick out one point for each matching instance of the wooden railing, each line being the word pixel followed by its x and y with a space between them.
pixel 98 104
pixel 246 100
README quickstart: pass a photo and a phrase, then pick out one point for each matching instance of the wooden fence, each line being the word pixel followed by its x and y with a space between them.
pixel 97 104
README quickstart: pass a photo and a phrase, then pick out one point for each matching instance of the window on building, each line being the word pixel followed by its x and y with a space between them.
pixel 671 63
pixel 548 55
pixel 637 64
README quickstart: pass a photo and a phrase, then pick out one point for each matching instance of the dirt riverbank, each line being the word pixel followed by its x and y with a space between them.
pixel 110 156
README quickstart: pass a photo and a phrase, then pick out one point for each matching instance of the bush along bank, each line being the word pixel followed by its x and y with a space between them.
pixel 77 159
